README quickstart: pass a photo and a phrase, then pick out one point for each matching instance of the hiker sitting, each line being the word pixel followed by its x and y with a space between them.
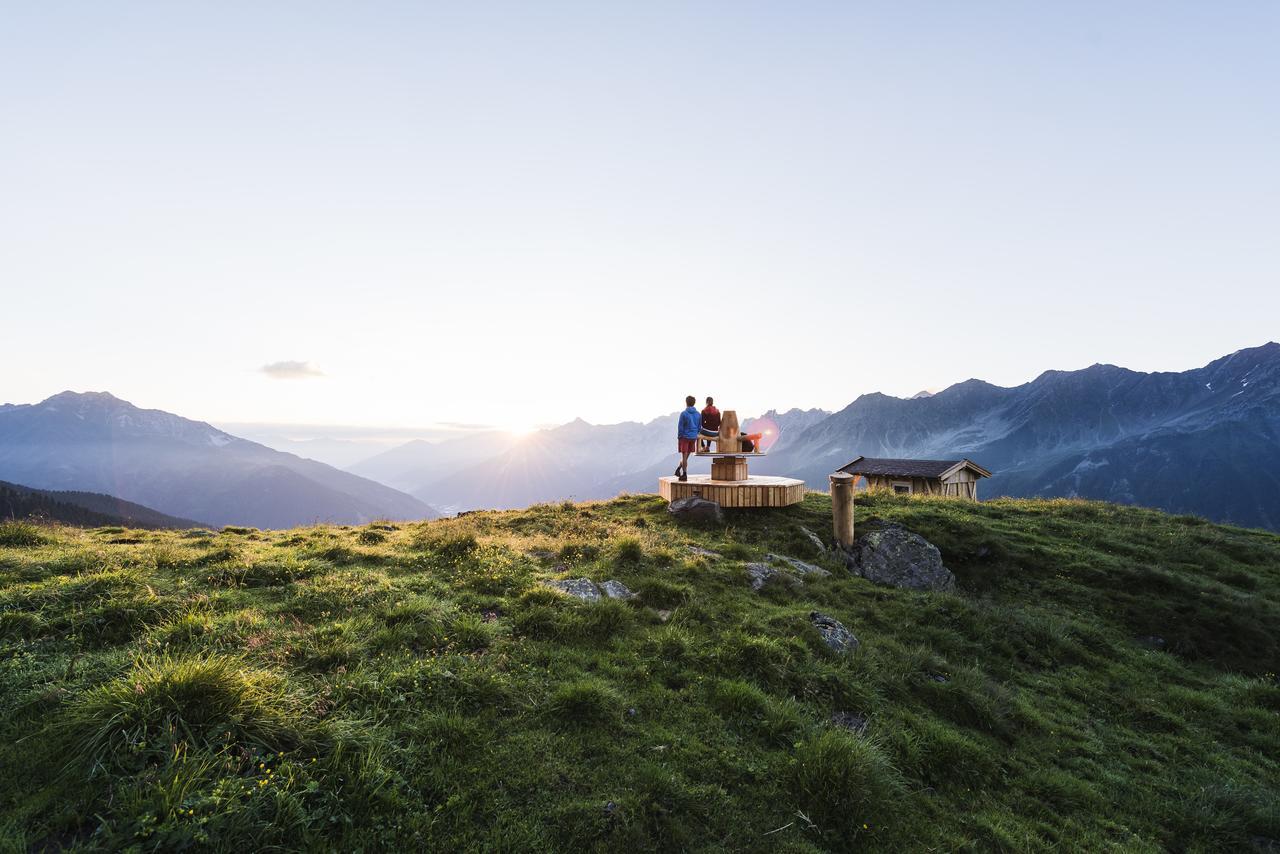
pixel 710 423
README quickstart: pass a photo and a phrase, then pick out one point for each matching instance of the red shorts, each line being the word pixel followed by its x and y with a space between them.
pixel 687 446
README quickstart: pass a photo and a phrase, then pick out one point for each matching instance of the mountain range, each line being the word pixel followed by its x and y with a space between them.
pixel 1204 441
pixel 96 442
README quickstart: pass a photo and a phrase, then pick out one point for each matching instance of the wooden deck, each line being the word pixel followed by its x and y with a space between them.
pixel 755 491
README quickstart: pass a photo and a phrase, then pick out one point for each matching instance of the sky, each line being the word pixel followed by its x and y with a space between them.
pixel 404 214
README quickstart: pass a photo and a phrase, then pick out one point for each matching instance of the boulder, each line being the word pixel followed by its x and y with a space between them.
pixel 616 590
pixel 897 557
pixel 699 551
pixel 797 565
pixel 833 632
pixel 696 509
pixel 761 574
pixel 583 588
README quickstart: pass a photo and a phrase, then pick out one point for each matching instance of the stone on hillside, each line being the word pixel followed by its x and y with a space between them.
pixel 616 590
pixel 797 565
pixel 696 509
pixel 899 558
pixel 833 632
pixel 814 538
pixel 583 588
pixel 852 721
pixel 761 574
pixel 699 551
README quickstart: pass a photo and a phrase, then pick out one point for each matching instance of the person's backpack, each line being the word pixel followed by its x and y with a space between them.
pixel 748 446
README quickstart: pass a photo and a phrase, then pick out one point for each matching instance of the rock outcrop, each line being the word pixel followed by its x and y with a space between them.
pixel 696 510
pixel 796 565
pixel 897 557
pixel 581 588
pixel 616 590
pixel 588 591
pixel 834 633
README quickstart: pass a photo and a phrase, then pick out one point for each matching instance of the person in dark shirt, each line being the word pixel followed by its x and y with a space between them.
pixel 687 430
pixel 710 423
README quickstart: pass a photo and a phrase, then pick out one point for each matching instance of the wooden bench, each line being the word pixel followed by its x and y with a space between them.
pixel 728 442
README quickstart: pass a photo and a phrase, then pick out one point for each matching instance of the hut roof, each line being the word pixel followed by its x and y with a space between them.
pixel 910 468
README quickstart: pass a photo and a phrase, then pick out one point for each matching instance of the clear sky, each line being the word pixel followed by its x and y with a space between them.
pixel 519 213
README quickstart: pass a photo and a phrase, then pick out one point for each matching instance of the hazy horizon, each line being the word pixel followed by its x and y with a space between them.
pixel 410 214
pixel 393 434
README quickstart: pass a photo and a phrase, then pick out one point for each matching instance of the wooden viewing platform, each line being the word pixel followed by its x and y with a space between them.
pixel 754 491
pixel 730 484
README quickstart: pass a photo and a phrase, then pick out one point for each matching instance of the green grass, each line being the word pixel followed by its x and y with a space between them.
pixel 416 686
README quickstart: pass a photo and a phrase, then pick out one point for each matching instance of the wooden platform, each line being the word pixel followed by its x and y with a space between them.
pixel 755 491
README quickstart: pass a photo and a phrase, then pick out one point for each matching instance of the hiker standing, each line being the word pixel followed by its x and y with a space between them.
pixel 687 430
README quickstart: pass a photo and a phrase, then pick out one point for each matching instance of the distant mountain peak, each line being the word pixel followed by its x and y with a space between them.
pixel 101 398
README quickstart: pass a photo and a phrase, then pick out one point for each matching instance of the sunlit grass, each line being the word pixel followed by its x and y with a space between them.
pixel 1105 678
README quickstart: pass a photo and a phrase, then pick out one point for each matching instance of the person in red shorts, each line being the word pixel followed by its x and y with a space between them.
pixel 687 429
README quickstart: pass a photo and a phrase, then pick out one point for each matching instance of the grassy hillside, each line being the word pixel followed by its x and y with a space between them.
pixel 1104 678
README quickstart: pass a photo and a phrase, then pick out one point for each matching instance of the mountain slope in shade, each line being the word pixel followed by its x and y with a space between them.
pixel 96 442
pixel 1204 441
pixel 84 509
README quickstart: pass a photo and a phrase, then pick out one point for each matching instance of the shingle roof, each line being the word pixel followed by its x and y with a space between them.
pixel 907 468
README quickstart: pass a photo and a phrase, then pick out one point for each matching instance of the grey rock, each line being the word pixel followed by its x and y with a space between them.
pixel 851 721
pixel 897 557
pixel 1152 641
pixel 814 538
pixel 583 588
pixel 797 565
pixel 701 552
pixel 761 574
pixel 833 632
pixel 939 678
pixel 616 590
pixel 663 615
pixel 696 510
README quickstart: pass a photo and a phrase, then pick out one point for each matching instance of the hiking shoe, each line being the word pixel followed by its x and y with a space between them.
pixel 677 474
pixel 684 478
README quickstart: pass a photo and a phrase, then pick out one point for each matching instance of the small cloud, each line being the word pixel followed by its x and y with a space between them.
pixel 291 370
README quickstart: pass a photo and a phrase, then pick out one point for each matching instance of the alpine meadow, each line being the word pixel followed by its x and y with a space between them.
pixel 1104 678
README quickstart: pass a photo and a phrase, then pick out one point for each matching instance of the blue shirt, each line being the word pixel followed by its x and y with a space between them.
pixel 690 423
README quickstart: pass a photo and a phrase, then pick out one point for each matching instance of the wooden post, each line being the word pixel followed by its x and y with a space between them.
pixel 842 508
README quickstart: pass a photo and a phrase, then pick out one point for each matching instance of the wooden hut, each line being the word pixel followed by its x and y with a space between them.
pixel 957 478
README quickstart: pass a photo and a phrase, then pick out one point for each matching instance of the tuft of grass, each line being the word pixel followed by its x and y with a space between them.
pixel 165 701
pixel 628 550
pixel 846 786
pixel 22 535
pixel 586 702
